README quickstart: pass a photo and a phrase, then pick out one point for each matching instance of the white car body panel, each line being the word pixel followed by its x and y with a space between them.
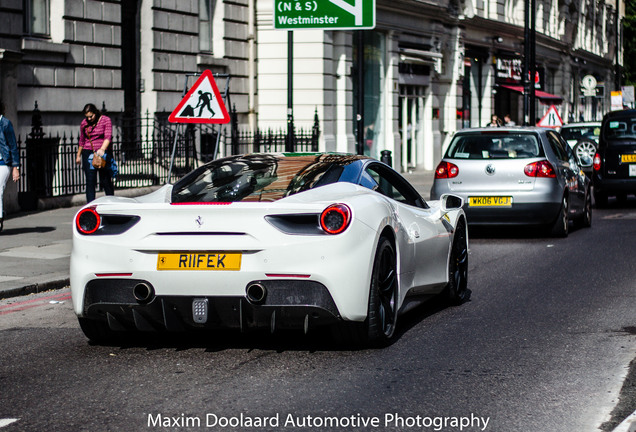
pixel 343 263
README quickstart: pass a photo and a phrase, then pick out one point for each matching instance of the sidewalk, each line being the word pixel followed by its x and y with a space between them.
pixel 35 247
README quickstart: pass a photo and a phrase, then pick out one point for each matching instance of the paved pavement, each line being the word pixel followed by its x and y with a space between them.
pixel 35 247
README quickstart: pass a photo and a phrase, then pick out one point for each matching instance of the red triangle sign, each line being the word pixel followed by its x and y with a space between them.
pixel 551 119
pixel 202 104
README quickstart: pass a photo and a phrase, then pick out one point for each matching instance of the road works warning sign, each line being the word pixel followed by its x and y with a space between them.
pixel 324 14
pixel 551 119
pixel 202 104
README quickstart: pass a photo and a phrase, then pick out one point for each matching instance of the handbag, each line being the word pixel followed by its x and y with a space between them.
pixel 98 162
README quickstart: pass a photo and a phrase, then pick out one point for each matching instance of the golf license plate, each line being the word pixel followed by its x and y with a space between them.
pixel 199 261
pixel 490 201
pixel 627 158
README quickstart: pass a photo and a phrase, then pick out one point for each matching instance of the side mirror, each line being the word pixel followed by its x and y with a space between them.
pixel 451 202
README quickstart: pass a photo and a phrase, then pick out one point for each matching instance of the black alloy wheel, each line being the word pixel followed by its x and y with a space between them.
pixel 383 295
pixel 586 218
pixel 457 288
pixel 561 226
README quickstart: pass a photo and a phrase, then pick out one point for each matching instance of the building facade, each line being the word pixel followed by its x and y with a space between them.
pixel 425 70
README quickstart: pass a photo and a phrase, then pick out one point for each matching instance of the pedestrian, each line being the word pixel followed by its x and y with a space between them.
pixel 495 121
pixel 9 158
pixel 508 121
pixel 96 132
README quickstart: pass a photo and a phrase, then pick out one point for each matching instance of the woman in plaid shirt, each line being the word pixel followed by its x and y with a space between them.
pixel 96 132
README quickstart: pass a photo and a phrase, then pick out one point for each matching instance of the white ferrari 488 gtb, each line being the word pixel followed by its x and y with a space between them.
pixel 268 240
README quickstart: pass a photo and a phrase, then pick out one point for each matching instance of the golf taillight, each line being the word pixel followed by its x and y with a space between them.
pixel 597 162
pixel 540 169
pixel 335 218
pixel 446 170
pixel 88 221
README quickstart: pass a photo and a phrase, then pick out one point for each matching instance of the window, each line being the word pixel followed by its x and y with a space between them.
pixel 390 184
pixel 36 17
pixel 494 146
pixel 206 16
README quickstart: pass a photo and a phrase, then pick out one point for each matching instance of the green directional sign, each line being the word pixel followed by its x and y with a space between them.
pixel 324 14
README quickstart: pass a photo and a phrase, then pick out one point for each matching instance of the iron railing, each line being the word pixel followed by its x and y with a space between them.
pixel 143 148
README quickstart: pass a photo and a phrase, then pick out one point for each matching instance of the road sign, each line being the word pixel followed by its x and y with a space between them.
pixel 202 104
pixel 551 119
pixel 324 14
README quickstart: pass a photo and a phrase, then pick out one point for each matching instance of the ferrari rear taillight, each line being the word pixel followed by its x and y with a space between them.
pixel 540 169
pixel 335 218
pixel 597 162
pixel 446 170
pixel 88 220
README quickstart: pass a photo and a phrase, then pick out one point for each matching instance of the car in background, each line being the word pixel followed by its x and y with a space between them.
pixel 523 176
pixel 614 171
pixel 583 138
pixel 269 241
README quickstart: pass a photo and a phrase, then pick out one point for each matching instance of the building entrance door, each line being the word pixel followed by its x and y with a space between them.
pixel 411 121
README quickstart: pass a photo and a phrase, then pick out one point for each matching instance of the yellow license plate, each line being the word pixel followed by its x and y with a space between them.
pixel 490 201
pixel 628 158
pixel 199 261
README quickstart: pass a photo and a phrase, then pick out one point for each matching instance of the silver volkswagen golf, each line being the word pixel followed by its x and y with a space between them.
pixel 521 175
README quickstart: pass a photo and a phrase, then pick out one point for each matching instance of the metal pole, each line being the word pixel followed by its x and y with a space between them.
pixel 526 61
pixel 360 102
pixel 533 63
pixel 289 144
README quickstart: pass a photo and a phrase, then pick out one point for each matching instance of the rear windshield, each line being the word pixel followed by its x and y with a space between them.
pixel 619 128
pixel 494 146
pixel 581 132
pixel 258 178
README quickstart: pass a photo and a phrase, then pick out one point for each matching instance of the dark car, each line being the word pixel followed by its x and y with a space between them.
pixel 615 161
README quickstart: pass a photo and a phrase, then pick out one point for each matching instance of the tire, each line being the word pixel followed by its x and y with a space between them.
pixel 561 225
pixel 585 220
pixel 457 288
pixel 585 150
pixel 97 332
pixel 379 327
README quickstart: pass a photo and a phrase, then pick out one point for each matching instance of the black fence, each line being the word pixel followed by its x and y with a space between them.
pixel 149 151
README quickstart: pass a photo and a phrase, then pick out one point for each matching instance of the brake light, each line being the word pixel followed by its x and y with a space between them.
pixel 446 170
pixel 540 169
pixel 597 162
pixel 335 218
pixel 88 221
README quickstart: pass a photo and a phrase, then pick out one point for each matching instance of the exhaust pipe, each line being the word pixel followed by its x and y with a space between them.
pixel 256 293
pixel 143 292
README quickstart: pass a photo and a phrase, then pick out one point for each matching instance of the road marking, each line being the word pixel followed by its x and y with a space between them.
pixel 7 422
pixel 28 304
pixel 620 216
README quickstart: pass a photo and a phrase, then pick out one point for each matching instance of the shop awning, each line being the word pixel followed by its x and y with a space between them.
pixel 543 96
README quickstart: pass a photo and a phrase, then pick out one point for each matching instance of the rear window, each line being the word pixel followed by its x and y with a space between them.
pixel 494 146
pixel 619 128
pixel 258 178
pixel 581 132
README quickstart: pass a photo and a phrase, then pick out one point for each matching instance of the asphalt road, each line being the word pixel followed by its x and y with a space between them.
pixel 543 345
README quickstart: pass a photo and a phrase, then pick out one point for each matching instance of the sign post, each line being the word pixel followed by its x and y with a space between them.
pixel 203 103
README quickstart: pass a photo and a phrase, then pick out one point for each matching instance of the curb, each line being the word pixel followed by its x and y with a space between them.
pixel 35 288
